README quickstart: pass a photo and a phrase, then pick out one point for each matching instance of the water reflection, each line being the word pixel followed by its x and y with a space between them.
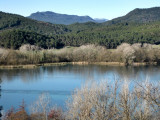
pixel 0 97
pixel 60 81
pixel 26 75
pixel 87 71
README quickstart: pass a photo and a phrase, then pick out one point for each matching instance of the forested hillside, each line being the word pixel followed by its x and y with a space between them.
pixel 10 21
pixel 113 35
pixel 17 30
pixel 139 16
pixel 15 38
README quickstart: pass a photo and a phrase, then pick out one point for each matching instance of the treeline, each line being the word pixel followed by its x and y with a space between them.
pixel 113 35
pixel 13 39
pixel 125 53
pixel 90 33
pixel 16 30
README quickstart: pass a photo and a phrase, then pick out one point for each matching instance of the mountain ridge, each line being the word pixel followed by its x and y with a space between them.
pixel 14 21
pixel 57 18
pixel 138 15
pixel 16 30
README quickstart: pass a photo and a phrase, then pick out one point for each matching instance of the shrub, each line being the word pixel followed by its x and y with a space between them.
pixel 43 109
pixel 90 53
pixel 125 53
pixel 28 47
pixel 101 101
pixel 128 53
pixel 19 114
pixel 56 114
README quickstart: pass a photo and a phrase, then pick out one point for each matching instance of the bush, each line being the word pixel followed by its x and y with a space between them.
pixel 28 47
pixel 19 114
pixel 43 109
pixel 128 53
pixel 125 53
pixel 90 53
pixel 102 101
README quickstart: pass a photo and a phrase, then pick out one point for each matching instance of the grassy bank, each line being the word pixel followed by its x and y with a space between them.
pixel 30 66
pixel 125 54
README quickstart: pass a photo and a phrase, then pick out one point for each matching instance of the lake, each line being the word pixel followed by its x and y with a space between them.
pixel 60 81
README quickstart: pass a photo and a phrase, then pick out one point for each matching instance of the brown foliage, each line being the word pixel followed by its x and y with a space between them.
pixel 124 53
pixel 19 114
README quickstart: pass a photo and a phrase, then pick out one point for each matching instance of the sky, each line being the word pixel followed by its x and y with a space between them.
pixel 108 9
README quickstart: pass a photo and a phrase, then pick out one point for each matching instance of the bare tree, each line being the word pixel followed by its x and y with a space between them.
pixel 119 101
pixel 43 109
pixel 95 101
pixel 128 53
pixel 28 47
pixel 42 106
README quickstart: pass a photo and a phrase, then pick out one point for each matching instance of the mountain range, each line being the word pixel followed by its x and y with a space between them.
pixel 138 26
pixel 65 19
pixel 137 15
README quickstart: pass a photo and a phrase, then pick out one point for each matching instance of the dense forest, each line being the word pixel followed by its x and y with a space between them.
pixel 12 21
pixel 16 38
pixel 17 30
pixel 139 16
pixel 113 35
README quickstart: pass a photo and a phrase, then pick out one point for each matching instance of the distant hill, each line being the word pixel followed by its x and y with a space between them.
pixel 13 21
pixel 16 30
pixel 139 16
pixel 100 20
pixel 56 18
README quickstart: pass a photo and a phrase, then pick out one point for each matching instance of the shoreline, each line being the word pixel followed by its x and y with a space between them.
pixel 31 66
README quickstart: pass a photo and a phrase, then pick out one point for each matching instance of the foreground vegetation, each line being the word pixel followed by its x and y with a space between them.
pixel 125 53
pixel 98 101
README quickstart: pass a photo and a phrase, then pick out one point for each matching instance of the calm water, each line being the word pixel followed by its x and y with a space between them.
pixel 60 81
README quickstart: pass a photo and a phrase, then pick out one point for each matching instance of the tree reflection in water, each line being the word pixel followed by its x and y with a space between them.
pixel 60 81
pixel 0 97
pixel 86 71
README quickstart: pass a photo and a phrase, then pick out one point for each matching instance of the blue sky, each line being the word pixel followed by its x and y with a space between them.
pixel 108 9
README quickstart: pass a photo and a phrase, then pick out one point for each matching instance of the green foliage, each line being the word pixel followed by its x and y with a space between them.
pixel 16 30
pixel 9 21
pixel 138 16
pixel 113 35
pixel 15 38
